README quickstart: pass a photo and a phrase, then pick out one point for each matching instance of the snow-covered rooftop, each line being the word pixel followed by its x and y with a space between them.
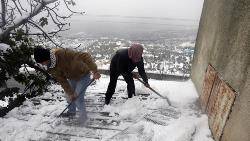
pixel 143 117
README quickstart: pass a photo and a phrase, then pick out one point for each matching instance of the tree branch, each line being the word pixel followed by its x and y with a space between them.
pixel 40 70
pixel 22 6
pixel 35 11
pixel 72 10
pixel 45 34
pixel 51 34
pixel 3 14
pixel 20 12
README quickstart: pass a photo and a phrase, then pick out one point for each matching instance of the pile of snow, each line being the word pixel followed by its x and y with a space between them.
pixel 25 68
pixel 3 103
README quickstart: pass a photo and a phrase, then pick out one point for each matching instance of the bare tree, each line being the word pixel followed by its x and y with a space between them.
pixel 23 14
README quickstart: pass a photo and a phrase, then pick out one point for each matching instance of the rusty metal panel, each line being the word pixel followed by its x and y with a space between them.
pixel 207 86
pixel 211 106
pixel 219 107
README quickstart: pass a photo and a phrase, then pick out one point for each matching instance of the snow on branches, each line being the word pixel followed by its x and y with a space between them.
pixel 33 15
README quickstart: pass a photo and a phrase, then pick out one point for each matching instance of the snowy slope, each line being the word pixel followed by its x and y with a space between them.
pixel 143 117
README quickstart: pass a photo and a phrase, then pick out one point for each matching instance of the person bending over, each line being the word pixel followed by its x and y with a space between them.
pixel 72 70
pixel 123 63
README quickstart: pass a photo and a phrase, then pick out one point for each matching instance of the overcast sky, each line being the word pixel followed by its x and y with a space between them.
pixel 184 9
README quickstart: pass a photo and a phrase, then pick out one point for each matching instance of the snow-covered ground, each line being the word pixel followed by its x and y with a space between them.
pixel 146 116
pixel 4 47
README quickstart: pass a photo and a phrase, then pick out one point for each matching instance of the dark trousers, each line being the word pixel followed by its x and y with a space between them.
pixel 112 85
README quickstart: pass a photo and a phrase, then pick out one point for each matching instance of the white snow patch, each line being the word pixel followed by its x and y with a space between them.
pixel 187 44
pixel 24 69
pixel 187 123
pixel 3 103
pixel 4 47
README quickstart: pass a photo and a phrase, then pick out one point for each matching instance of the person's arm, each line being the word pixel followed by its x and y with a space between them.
pixel 66 86
pixel 141 71
pixel 88 60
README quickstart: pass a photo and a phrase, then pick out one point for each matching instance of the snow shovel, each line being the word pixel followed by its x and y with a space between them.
pixel 92 80
pixel 155 92
pixel 53 126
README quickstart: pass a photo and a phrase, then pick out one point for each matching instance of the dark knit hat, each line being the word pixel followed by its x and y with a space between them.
pixel 41 54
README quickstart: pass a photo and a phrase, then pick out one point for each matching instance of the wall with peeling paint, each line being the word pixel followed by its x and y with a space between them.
pixel 224 41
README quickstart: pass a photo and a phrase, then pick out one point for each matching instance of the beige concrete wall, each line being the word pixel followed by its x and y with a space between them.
pixel 224 41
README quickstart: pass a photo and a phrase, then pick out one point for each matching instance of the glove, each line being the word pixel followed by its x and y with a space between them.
pixel 73 97
pixel 96 75
pixel 146 85
pixel 135 75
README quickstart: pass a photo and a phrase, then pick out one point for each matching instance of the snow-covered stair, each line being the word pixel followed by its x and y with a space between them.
pixel 144 117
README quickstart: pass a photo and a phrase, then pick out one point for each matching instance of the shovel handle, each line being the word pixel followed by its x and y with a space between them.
pixel 92 80
pixel 155 91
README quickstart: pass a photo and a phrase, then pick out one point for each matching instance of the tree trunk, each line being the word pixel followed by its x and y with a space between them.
pixel 3 12
pixel 3 17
